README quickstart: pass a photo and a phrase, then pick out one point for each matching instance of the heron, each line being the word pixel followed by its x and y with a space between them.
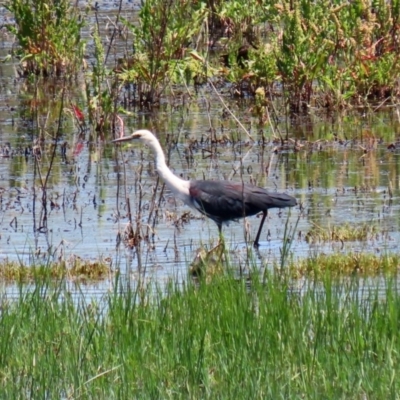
pixel 221 201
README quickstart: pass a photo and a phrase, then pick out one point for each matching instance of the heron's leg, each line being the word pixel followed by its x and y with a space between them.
pixel 265 213
pixel 221 241
pixel 219 224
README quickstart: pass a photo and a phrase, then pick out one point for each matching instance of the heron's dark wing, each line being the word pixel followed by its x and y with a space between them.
pixel 226 200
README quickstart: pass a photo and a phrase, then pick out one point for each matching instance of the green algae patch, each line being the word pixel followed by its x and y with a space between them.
pixel 74 268
pixel 341 233
pixel 345 264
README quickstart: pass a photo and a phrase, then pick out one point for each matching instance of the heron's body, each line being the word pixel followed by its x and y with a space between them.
pixel 222 201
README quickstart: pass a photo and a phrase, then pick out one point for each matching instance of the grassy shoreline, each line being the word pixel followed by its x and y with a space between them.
pixel 226 338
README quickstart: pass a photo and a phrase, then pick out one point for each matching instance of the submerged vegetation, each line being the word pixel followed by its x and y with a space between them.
pixel 228 338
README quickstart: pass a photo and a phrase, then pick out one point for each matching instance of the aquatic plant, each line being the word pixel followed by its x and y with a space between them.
pixel 315 54
pixel 322 55
pixel 49 36
pixel 165 30
pixel 339 264
pixel 341 233
pixel 73 268
pixel 101 89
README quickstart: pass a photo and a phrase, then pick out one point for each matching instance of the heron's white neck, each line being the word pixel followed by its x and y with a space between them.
pixel 176 185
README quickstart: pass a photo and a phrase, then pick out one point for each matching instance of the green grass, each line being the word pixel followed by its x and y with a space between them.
pixel 226 338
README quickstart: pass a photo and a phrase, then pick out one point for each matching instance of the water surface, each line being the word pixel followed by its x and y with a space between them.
pixel 339 168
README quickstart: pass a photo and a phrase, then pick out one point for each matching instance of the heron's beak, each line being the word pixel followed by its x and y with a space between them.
pixel 122 139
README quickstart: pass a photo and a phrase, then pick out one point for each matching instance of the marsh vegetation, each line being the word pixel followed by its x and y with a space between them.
pixel 228 338
pixel 297 96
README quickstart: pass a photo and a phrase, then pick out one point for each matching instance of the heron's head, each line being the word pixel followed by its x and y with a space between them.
pixel 143 135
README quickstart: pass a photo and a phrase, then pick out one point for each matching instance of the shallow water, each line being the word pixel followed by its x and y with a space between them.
pixel 351 178
pixel 86 210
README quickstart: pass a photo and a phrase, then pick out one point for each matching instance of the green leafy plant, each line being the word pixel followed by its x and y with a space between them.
pixel 100 92
pixel 48 33
pixel 165 30
pixel 312 54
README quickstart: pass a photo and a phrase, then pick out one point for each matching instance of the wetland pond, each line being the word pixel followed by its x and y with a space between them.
pixel 342 169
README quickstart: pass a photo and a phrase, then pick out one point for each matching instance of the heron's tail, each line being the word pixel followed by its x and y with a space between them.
pixel 281 200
